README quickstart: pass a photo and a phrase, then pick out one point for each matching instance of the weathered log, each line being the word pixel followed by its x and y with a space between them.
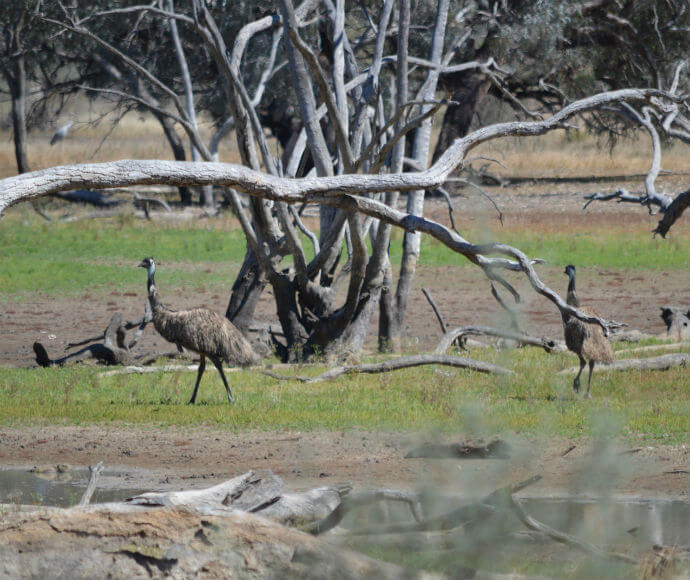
pixel 654 347
pixel 461 333
pixel 397 364
pixel 657 363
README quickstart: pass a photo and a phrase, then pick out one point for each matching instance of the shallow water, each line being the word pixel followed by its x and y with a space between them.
pixel 55 489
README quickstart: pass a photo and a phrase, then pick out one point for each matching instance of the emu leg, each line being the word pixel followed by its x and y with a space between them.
pixel 576 382
pixel 589 382
pixel 202 367
pixel 219 366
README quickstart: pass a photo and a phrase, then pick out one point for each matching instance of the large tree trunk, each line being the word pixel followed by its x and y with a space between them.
pixel 415 199
pixel 467 89
pixel 246 291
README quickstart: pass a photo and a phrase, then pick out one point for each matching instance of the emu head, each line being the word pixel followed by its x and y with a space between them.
pixel 570 270
pixel 149 264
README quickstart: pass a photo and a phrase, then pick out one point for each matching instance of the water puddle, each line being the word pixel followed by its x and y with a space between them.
pixel 51 488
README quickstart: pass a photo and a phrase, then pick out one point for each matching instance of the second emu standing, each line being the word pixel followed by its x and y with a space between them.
pixel 199 330
pixel 584 339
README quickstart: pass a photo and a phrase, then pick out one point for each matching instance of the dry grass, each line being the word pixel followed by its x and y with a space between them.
pixel 558 154
pixel 140 137
pixel 135 137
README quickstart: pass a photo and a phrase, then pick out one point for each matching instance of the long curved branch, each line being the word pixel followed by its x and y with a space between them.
pixel 343 191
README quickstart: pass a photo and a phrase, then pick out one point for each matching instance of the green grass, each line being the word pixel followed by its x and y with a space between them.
pixel 650 405
pixel 602 248
pixel 93 255
pixel 99 254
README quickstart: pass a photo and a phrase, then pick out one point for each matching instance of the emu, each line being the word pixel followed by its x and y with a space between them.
pixel 199 330
pixel 584 339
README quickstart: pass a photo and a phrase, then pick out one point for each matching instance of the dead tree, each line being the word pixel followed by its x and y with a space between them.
pixel 307 310
pixel 357 117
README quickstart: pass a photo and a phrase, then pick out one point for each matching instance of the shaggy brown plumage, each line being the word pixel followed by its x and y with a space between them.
pixel 199 330
pixel 586 340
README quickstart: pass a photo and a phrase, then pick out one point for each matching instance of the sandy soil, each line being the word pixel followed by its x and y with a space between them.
pixel 158 458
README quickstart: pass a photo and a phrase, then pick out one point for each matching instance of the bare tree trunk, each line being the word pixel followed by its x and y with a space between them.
pixel 206 191
pixel 467 89
pixel 246 291
pixel 415 199
pixel 178 152
pixel 17 84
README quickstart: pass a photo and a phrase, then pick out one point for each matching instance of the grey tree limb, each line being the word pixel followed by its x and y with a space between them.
pixel 657 363
pixel 461 333
pixel 344 191
pixel 94 472
pixel 564 538
pixel 397 364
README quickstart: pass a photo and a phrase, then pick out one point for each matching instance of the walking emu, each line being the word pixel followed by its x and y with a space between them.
pixel 586 340
pixel 200 330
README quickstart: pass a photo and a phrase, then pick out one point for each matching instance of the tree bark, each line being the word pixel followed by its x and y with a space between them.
pixel 16 79
pixel 246 290
pixel 467 89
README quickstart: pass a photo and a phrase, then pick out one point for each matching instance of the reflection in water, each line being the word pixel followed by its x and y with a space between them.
pixel 53 488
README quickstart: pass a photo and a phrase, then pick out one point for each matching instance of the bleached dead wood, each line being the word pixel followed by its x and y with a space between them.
pixel 657 363
pixel 654 347
pixel 460 334
pixel 94 471
pixel 397 364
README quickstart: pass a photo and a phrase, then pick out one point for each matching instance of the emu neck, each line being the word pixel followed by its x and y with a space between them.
pixel 152 292
pixel 571 298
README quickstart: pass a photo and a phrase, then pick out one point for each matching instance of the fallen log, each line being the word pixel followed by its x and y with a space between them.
pixel 461 334
pixel 397 364
pixel 657 363
pixel 655 347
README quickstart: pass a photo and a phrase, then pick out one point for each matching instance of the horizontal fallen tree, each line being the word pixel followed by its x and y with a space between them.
pixel 461 334
pixel 397 364
pixel 657 363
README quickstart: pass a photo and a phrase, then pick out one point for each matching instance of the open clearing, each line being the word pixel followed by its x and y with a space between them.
pixel 194 454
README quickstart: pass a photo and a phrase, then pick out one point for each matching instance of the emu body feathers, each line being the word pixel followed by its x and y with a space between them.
pixel 586 340
pixel 199 330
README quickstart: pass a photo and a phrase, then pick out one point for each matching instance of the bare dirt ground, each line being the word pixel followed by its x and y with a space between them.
pixel 159 457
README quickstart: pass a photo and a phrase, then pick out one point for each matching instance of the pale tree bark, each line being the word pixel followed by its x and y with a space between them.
pixel 415 199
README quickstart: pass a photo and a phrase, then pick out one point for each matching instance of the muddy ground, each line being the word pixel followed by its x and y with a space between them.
pixel 165 458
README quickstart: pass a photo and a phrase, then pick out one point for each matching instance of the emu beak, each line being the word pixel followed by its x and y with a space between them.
pixel 142 264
